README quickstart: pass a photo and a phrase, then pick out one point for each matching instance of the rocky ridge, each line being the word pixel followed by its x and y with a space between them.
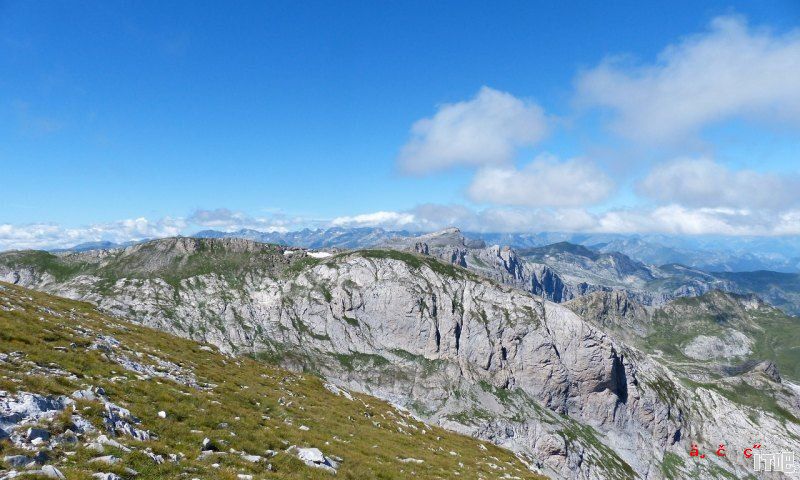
pixel 564 271
pixel 457 349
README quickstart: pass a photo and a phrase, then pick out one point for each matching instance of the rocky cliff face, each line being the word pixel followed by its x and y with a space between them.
pixel 564 271
pixel 502 264
pixel 458 349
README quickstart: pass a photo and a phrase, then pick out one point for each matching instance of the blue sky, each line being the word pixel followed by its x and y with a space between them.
pixel 126 120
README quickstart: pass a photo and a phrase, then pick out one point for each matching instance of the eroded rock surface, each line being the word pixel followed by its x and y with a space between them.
pixel 457 349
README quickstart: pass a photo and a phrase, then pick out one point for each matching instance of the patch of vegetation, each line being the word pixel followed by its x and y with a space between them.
pixel 533 318
pixel 418 261
pixel 301 327
pixel 665 390
pixel 605 458
pixel 502 394
pixel 775 335
pixel 669 339
pixel 777 339
pixel 41 261
pixel 470 417
pixel 301 265
pixel 429 366
pixel 747 395
pixel 326 293
pixel 351 321
pixel 355 360
pixel 158 259
pixel 715 471
pixel 457 306
pixel 671 466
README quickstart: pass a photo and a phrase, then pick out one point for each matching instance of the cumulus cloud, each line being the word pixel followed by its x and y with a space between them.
pixel 430 216
pixel 731 70
pixel 52 236
pixel 485 130
pixel 375 219
pixel 702 182
pixel 544 182
pixel 680 220
pixel 667 219
pixel 49 236
pixel 228 220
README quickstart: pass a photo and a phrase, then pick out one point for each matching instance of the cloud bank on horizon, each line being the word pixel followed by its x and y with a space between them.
pixel 732 72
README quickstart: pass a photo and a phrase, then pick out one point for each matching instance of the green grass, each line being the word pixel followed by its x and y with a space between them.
pixel 301 327
pixel 355 360
pixel 418 261
pixel 775 335
pixel 302 265
pixel 262 405
pixel 351 321
pixel 326 293
pixel 614 467
pixel 502 394
pixel 427 365
pixel 665 390
pixel 161 259
pixel 470 417
pixel 42 262
pixel 778 339
pixel 671 466
pixel 747 395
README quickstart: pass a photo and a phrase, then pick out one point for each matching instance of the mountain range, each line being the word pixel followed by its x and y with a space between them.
pixel 585 364
pixel 709 253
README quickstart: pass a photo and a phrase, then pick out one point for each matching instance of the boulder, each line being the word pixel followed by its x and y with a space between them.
pixel 313 457
pixel 40 433
pixel 107 459
pixel 50 471
pixel 16 461
pixel 106 476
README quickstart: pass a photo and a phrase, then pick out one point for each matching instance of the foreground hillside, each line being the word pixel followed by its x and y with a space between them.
pixel 82 393
pixel 459 349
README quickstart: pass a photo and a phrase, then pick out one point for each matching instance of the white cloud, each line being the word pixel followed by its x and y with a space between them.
pixel 52 236
pixel 543 182
pixel 667 219
pixel 47 235
pixel 228 220
pixel 383 219
pixel 485 130
pixel 729 71
pixel 704 183
pixel 680 220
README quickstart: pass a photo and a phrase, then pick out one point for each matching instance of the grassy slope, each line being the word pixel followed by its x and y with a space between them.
pixel 157 259
pixel 776 336
pixel 364 432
